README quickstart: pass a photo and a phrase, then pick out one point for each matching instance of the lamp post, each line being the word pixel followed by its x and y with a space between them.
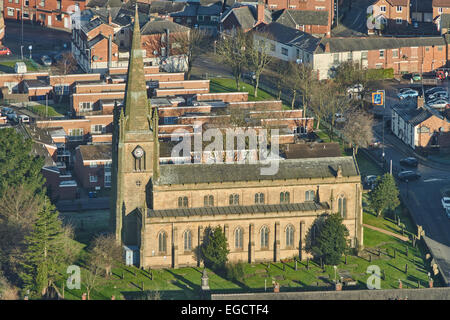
pixel 21 52
pixel 335 268
pixel 30 47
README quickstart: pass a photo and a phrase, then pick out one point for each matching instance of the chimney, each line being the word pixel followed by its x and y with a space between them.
pixel 260 13
pixel 109 15
pixel 339 172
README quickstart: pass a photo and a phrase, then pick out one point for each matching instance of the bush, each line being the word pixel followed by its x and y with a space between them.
pixel 235 271
pixel 380 74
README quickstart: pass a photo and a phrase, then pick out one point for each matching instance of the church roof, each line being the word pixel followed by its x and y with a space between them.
pixel 136 103
pixel 252 209
pixel 231 172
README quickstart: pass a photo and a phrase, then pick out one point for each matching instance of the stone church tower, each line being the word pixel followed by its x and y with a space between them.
pixel 135 151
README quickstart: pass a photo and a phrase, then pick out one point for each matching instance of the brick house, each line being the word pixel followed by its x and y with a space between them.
pixel 93 166
pixel 203 17
pixel 49 13
pixel 244 17
pixel 314 22
pixel 421 128
pixel 440 7
pixel 392 14
pixel 310 5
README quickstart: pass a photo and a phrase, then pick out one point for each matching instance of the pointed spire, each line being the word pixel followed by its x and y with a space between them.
pixel 155 145
pixel 136 100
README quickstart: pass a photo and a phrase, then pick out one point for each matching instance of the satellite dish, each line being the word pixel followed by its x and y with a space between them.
pixel 95 58
pixel 155 53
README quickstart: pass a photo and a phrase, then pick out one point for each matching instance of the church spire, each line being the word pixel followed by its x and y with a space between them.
pixel 136 105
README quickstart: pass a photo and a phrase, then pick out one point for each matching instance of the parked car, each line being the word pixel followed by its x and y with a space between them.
pixel 438 103
pixel 408 94
pixel 416 77
pixel 24 118
pixel 46 61
pixel 11 116
pixel 438 95
pixel 404 89
pixel 447 212
pixel 434 89
pixel 445 202
pixel 4 51
pixel 6 111
pixel 408 176
pixel 409 162
pixel 369 181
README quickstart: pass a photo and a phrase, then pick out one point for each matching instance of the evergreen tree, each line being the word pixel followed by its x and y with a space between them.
pixel 214 249
pixel 329 239
pixel 44 253
pixel 385 194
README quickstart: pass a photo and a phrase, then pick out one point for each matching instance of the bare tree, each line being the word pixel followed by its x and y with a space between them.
pixel 259 57
pixel 67 64
pixel 107 252
pixel 281 76
pixel 92 274
pixel 358 129
pixel 232 51
pixel 300 78
pixel 190 45
pixel 318 101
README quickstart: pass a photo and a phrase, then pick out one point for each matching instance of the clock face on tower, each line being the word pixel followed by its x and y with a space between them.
pixel 138 152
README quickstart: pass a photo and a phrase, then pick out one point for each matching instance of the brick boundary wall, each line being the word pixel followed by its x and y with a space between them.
pixel 392 294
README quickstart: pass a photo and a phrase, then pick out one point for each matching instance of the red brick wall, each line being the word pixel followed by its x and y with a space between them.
pixel 434 124
pixel 225 96
pixel 124 70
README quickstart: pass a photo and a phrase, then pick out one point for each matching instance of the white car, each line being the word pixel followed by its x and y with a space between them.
pixel 446 202
pixel 438 103
pixel 356 88
pixel 434 89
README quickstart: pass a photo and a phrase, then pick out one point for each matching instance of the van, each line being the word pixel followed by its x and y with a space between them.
pixel 24 118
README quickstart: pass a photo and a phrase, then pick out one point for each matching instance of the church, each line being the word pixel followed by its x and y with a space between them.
pixel 162 210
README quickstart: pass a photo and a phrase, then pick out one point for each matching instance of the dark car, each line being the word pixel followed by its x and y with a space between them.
pixel 409 162
pixel 408 176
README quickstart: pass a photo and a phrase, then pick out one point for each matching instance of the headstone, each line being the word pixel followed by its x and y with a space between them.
pixel 307 263
pixel 430 283
pixel 379 252
pixel 205 280
pixel 276 287
pixel 383 275
pixel 345 257
pixel 418 283
pixel 400 284
pixel 406 251
pixel 142 287
pixel 370 258
pixel 296 265
pixel 406 268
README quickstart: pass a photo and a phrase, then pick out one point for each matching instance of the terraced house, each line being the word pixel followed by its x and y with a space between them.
pixel 161 211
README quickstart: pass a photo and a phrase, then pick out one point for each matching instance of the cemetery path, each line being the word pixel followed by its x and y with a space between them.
pixel 403 238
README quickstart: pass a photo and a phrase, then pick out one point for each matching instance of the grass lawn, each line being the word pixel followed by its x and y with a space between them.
pixel 366 165
pixel 8 66
pixel 51 111
pixel 229 85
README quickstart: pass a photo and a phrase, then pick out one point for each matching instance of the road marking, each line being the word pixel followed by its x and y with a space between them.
pixel 432 180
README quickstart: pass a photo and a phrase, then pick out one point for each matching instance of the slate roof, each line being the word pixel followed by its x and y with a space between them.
pixel 160 26
pixel 253 209
pixel 166 7
pixel 412 115
pixel 231 172
pixel 287 35
pixel 95 40
pixel 96 152
pixel 398 2
pixel 246 15
pixel 376 43
pixel 104 3
pixel 88 26
pixel 291 18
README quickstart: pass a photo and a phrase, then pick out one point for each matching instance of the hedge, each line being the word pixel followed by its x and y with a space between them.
pixel 380 74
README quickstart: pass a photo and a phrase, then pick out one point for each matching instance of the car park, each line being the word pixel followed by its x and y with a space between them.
pixel 408 176
pixel 408 94
pixel 409 162
pixel 438 95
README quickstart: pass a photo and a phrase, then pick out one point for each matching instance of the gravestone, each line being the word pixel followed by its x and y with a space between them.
pixel 370 258
pixel 345 257
pixel 307 263
pixel 379 252
pixel 406 250
pixel 406 268
pixel 296 265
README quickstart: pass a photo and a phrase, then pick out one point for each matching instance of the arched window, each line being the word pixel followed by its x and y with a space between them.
pixel 238 238
pixel 208 200
pixel 187 240
pixel 264 237
pixel 284 197
pixel 259 198
pixel 289 236
pixel 183 202
pixel 234 199
pixel 162 242
pixel 342 206
pixel 309 195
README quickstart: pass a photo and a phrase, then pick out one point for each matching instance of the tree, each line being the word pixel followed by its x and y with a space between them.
pixel 319 102
pixel 44 253
pixel 67 64
pixel 259 57
pixel 350 73
pixel 385 194
pixel 7 290
pixel 232 51
pixel 358 129
pixel 107 252
pixel 328 239
pixel 281 76
pixel 214 249
pixel 191 45
pixel 91 277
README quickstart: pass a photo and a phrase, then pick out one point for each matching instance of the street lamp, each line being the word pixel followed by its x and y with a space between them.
pixel 29 48
pixel 335 268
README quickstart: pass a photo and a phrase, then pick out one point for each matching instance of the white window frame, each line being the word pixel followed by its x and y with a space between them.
pixel 398 20
pixel 399 9
pixel 11 12
pixel 93 179
pixel 383 9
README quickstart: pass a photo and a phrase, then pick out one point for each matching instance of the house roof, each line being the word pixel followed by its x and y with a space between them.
pixel 291 18
pixel 246 15
pixel 252 209
pixel 160 26
pixel 288 35
pixel 312 150
pixel 104 3
pixel 96 152
pixel 412 115
pixel 398 2
pixel 441 3
pixel 91 43
pixel 376 43
pixel 231 172
pixel 88 26
pixel 166 7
